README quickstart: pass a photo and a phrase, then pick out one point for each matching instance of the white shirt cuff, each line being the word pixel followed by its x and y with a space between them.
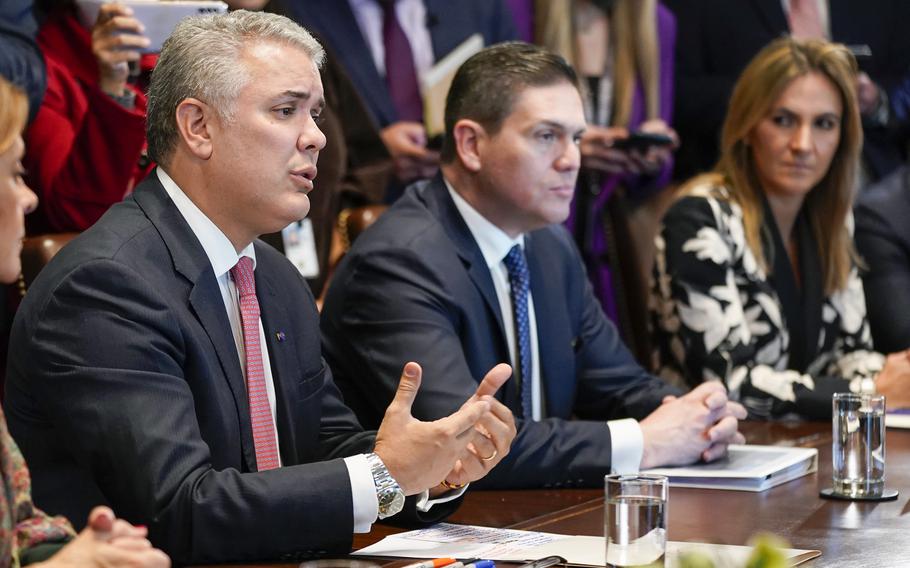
pixel 627 444
pixel 363 493
pixel 424 503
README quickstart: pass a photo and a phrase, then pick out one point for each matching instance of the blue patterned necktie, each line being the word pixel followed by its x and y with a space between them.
pixel 520 281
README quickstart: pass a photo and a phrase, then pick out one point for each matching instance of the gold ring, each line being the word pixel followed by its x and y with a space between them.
pixel 492 457
pixel 448 485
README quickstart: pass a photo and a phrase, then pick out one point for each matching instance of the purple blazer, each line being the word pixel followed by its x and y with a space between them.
pixel 523 14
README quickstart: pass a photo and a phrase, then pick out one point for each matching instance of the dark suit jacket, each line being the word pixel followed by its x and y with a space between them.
pixel 125 388
pixel 450 23
pixel 883 240
pixel 717 38
pixel 415 286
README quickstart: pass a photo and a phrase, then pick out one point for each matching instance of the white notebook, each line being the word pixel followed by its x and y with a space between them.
pixel 745 468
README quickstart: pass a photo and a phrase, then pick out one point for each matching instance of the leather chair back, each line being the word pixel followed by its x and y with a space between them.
pixel 37 251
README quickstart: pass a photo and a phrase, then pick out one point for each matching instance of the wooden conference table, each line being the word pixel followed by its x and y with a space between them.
pixel 848 533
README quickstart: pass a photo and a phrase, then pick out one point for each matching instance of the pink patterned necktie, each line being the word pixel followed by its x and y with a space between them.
pixel 805 21
pixel 260 413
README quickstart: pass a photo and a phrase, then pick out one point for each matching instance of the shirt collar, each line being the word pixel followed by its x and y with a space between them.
pixel 494 243
pixel 215 243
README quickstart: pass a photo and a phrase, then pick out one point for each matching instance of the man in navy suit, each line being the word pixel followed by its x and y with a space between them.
pixel 441 275
pixel 168 364
pixel 357 32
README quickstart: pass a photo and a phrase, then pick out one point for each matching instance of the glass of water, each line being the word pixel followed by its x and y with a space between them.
pixel 858 449
pixel 635 519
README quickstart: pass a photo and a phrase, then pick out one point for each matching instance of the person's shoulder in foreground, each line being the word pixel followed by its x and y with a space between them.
pixel 28 535
pixel 169 365
pixel 473 268
pixel 883 241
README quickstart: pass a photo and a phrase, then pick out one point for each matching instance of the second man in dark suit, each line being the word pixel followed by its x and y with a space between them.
pixel 473 268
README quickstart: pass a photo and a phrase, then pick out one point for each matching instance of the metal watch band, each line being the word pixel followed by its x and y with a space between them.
pixel 389 494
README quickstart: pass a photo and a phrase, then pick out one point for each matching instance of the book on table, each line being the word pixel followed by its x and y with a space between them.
pixel 745 468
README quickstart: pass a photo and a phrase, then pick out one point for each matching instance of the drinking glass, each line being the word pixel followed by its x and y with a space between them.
pixel 635 520
pixel 858 449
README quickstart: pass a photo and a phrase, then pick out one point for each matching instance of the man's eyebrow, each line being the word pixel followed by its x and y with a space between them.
pixel 319 105
pixel 303 95
pixel 561 126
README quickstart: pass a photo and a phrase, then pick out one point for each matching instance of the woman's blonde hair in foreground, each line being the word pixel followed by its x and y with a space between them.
pixel 828 204
pixel 13 113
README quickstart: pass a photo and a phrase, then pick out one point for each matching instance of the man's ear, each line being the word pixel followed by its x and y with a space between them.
pixel 194 122
pixel 469 137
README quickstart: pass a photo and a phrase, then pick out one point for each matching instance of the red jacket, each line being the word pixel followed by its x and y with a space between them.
pixel 84 149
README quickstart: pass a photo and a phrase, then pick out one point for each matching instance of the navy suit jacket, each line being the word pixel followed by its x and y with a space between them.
pixel 883 241
pixel 717 39
pixel 415 286
pixel 450 22
pixel 124 387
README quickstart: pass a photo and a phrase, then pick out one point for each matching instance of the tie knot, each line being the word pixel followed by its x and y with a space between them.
pixel 242 273
pixel 517 265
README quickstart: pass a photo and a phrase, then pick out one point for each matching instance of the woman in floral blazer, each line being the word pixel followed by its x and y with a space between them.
pixel 755 279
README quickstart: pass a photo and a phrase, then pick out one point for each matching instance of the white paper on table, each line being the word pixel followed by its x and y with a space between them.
pixel 898 419
pixel 446 540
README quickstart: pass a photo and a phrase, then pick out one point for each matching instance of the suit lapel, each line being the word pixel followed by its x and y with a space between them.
pixel 548 298
pixel 437 199
pixel 204 296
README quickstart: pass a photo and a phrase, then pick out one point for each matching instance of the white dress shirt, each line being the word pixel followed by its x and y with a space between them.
pixel 626 436
pixel 412 17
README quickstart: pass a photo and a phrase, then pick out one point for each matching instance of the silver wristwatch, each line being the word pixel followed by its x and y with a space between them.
pixel 388 493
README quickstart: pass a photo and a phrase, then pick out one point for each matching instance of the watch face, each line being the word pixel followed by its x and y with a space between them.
pixel 392 503
pixel 397 503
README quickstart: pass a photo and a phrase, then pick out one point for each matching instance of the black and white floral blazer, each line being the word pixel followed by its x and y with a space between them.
pixel 782 348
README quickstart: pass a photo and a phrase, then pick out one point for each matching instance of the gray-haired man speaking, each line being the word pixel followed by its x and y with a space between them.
pixel 168 364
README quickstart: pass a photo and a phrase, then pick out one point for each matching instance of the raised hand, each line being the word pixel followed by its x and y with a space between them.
pixel 497 429
pixel 116 40
pixel 419 455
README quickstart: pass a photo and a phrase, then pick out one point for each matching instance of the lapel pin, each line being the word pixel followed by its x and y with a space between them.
pixel 280 336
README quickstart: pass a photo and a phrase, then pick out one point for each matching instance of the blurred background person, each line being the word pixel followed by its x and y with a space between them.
pixel 385 46
pixel 883 241
pixel 717 38
pixel 623 50
pixel 755 278
pixel 28 535
pixel 86 144
pixel 20 58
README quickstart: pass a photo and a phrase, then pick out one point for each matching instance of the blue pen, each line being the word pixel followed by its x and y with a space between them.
pixel 481 564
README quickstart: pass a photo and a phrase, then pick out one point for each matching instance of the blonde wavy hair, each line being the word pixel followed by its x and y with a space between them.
pixel 633 43
pixel 828 203
pixel 13 113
